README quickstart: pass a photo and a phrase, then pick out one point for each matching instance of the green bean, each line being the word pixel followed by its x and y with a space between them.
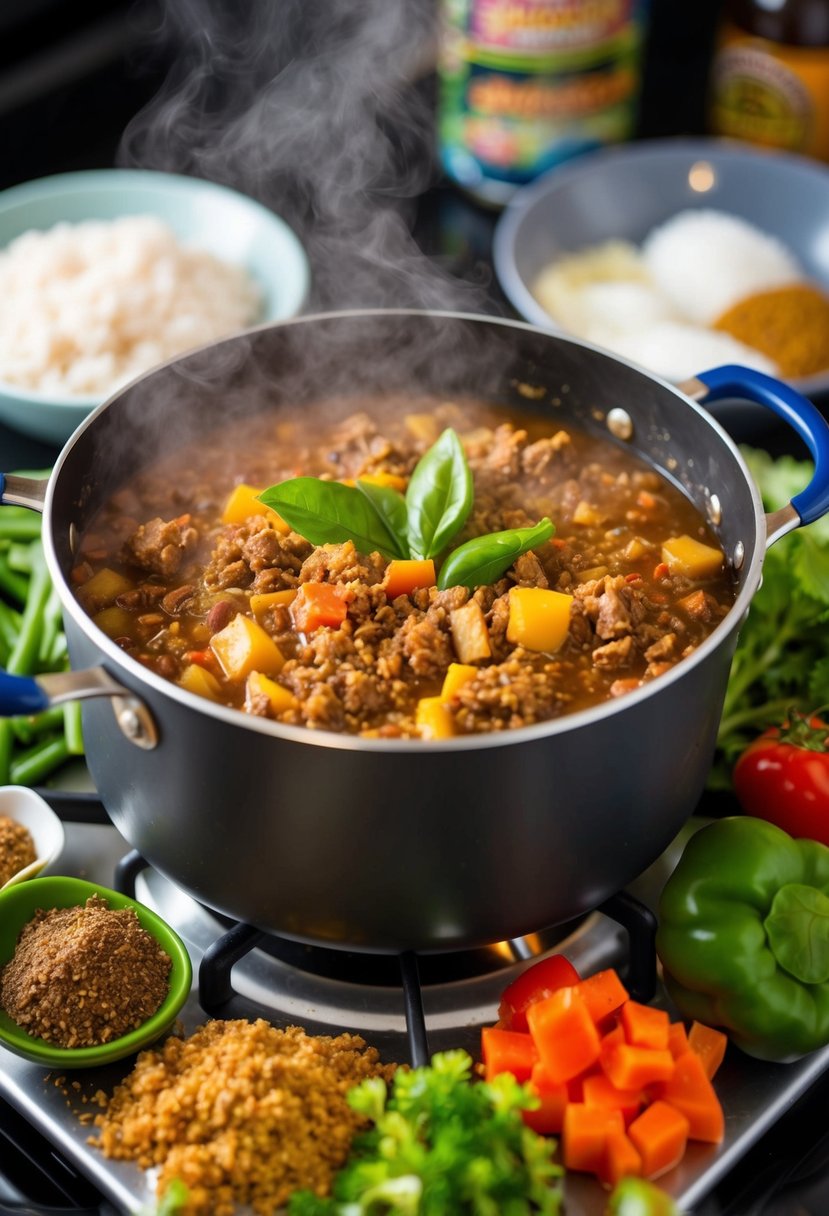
pixel 27 727
pixel 73 728
pixel 19 557
pixel 25 527
pixel 15 585
pixel 6 745
pixel 24 653
pixel 39 762
pixel 9 623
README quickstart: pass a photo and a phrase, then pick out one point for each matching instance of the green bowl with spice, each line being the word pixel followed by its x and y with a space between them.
pixel 113 952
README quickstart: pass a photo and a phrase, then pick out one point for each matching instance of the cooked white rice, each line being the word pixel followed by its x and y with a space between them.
pixel 703 261
pixel 85 307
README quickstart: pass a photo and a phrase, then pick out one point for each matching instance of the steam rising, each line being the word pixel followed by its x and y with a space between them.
pixel 320 109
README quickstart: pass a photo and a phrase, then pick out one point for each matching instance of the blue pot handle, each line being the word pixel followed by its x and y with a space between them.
pixel 21 695
pixel 732 381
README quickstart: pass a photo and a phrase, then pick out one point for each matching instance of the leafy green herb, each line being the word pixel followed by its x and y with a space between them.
pixel 484 559
pixel 420 525
pixel 327 512
pixel 782 658
pixel 438 497
pixel 442 1143
pixel 172 1201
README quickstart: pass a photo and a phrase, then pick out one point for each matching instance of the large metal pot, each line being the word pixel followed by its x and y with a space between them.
pixel 395 845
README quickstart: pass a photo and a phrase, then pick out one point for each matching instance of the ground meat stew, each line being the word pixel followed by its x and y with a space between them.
pixel 196 579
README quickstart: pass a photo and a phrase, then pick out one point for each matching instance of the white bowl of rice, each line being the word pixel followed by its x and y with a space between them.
pixel 107 273
pixel 679 255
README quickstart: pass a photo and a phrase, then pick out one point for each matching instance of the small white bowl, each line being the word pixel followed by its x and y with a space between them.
pixel 202 214
pixel 29 809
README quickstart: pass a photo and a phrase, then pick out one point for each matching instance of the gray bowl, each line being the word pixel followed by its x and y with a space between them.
pixel 625 191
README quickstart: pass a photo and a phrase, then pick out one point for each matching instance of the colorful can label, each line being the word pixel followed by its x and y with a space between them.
pixel 527 83
pixel 770 94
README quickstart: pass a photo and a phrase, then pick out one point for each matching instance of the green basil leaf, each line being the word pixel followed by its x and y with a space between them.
pixel 390 505
pixel 797 928
pixel 438 497
pixel 328 512
pixel 484 559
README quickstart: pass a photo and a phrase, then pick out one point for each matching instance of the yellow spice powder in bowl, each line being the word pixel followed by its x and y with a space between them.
pixel 87 975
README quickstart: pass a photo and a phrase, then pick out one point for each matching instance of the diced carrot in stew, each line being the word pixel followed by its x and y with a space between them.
pixel 584 1135
pixel 677 1039
pixel 645 1026
pixel 660 1135
pixel 318 605
pixel 405 576
pixel 564 1033
pixel 621 1158
pixel 507 1051
pixel 709 1044
pixel 537 981
pixel 690 1091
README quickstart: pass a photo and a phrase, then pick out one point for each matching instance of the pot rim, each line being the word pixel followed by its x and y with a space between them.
pixel 344 742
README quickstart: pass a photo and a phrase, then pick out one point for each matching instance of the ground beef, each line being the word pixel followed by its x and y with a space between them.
pixel 159 546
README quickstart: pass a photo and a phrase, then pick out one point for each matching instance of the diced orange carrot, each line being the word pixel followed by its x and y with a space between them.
pixel 690 1091
pixel 660 1135
pixel 599 1090
pixel 507 1051
pixel 661 570
pixel 621 1158
pixel 645 1026
pixel 548 1119
pixel 614 1034
pixel 709 1044
pixel 584 1135
pixel 564 1033
pixel 631 1067
pixel 603 993
pixel 677 1039
pixel 405 576
pixel 316 605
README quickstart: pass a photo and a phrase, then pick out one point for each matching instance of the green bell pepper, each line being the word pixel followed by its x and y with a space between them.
pixel 743 937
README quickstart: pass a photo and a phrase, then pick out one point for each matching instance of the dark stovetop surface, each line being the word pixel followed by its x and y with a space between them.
pixel 72 74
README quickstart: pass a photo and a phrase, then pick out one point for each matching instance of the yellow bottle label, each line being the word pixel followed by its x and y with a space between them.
pixel 771 94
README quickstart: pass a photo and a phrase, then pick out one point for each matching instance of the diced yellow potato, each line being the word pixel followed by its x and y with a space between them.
pixel 684 555
pixel 270 599
pixel 469 633
pixel 280 698
pixel 196 680
pixel 104 587
pixel 586 515
pixel 243 646
pixel 423 426
pixel 433 719
pixel 538 619
pixel 636 548
pixel 588 576
pixel 114 621
pixel 243 503
pixel 457 674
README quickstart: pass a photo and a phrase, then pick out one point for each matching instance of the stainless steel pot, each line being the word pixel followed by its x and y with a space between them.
pixel 395 845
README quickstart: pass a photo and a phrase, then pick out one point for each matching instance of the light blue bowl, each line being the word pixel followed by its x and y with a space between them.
pixel 624 192
pixel 229 225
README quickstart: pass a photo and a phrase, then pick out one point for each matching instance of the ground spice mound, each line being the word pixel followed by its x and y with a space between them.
pixel 17 849
pixel 241 1112
pixel 82 976
pixel 789 324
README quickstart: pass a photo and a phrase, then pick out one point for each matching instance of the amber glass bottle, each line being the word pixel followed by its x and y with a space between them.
pixel 769 79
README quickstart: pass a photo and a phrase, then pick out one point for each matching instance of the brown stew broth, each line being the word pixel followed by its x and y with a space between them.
pixel 161 572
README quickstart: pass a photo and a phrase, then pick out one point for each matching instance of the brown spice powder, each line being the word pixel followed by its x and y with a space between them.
pixel 17 849
pixel 241 1112
pixel 789 324
pixel 82 976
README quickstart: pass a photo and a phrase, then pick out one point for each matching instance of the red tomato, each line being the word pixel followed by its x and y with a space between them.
pixel 540 980
pixel 784 777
